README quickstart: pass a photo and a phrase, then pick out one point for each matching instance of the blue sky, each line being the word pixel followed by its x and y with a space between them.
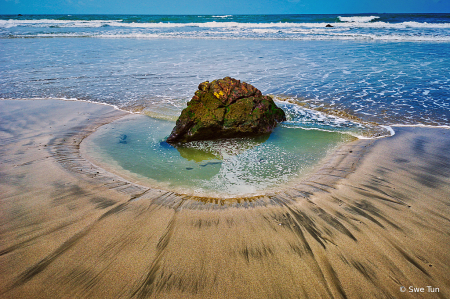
pixel 220 7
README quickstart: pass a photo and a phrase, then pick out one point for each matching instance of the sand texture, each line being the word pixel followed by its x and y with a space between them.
pixel 375 217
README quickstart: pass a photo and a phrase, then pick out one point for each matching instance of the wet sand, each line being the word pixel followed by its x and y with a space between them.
pixel 375 217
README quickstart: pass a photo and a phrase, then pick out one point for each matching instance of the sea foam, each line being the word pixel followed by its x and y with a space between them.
pixel 364 22
pixel 358 19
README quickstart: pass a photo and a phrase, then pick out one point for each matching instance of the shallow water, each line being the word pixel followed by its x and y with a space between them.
pixel 387 68
pixel 378 70
pixel 228 167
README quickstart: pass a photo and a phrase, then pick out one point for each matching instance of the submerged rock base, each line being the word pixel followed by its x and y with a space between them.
pixel 226 108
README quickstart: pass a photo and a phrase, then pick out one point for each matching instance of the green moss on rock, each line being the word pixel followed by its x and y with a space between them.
pixel 226 108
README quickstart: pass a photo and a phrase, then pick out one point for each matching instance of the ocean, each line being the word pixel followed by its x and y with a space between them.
pixel 361 76
pixel 383 68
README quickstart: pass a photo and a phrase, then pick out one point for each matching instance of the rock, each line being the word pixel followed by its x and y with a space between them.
pixel 226 108
pixel 328 25
pixel 123 139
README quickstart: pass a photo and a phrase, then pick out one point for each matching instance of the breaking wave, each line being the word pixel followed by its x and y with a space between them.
pixel 358 19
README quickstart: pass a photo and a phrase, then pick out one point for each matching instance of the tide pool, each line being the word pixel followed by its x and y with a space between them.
pixel 136 145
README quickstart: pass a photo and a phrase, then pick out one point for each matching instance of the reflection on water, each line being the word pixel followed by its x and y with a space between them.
pixel 218 149
pixel 196 155
pixel 137 145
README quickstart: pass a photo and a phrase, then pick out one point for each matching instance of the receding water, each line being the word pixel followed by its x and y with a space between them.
pixel 135 145
pixel 382 68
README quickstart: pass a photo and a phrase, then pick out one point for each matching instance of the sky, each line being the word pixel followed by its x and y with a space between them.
pixel 208 7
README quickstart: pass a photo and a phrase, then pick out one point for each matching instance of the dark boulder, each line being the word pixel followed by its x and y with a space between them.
pixel 226 108
pixel 329 26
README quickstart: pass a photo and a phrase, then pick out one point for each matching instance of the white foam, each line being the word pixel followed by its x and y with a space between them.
pixel 211 35
pixel 234 30
pixel 389 129
pixel 310 119
pixel 301 115
pixel 56 23
pixel 214 24
pixel 422 126
pixel 358 19
pixel 132 35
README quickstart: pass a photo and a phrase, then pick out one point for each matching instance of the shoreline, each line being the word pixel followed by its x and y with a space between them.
pixel 364 225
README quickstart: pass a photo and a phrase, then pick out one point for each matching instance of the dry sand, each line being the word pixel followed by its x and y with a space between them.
pixel 375 217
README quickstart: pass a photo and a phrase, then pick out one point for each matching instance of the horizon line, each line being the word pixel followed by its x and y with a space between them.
pixel 216 14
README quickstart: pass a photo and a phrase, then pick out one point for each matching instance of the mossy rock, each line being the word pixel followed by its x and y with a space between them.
pixel 226 108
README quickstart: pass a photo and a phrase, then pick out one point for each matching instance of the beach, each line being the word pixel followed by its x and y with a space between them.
pixel 371 222
pixel 347 198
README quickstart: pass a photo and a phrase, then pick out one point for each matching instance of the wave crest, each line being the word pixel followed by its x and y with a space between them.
pixel 358 19
pixel 347 22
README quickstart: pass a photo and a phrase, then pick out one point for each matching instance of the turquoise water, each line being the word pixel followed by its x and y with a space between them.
pixel 226 167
